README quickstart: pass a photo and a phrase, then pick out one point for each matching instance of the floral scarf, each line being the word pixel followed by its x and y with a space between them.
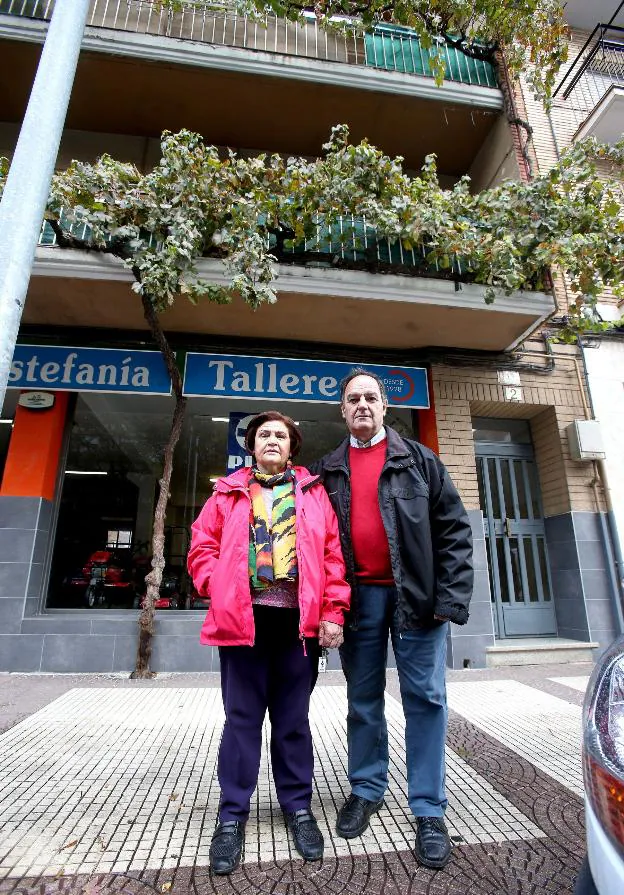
pixel 272 551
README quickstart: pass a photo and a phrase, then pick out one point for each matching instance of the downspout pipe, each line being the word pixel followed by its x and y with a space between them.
pixel 28 183
pixel 616 569
pixel 609 529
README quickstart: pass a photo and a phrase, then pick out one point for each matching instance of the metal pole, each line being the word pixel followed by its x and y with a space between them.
pixel 28 183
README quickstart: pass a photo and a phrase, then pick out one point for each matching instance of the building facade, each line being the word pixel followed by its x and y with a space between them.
pixel 89 408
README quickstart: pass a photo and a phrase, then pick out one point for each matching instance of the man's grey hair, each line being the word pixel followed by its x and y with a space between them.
pixel 360 371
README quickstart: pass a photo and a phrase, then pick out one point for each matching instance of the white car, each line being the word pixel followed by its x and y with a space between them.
pixel 603 767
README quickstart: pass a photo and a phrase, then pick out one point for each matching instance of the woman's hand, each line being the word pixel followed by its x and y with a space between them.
pixel 330 635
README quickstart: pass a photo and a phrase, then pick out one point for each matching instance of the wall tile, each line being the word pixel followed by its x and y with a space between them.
pixel 67 652
pixel 57 624
pixel 596 584
pixel 19 512
pixel 180 654
pixel 11 616
pixel 604 637
pixel 563 554
pixel 587 526
pixel 124 655
pixel 571 614
pixel 567 584
pixel 45 515
pixel 119 627
pixel 559 528
pixel 178 623
pixel 480 621
pixel 31 607
pixel 481 589
pixel 16 544
pixel 574 634
pixel 35 581
pixel 471 648
pixel 13 579
pixel 475 518
pixel 600 615
pixel 20 652
pixel 479 554
pixel 42 541
pixel 591 555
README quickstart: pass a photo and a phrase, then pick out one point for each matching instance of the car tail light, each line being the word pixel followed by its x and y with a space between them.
pixel 604 744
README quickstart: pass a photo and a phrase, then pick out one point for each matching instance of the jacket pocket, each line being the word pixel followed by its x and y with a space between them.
pixel 409 492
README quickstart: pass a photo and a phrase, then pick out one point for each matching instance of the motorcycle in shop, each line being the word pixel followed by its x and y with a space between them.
pixel 110 580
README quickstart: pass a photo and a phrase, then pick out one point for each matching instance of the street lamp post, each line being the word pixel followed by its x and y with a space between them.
pixel 28 182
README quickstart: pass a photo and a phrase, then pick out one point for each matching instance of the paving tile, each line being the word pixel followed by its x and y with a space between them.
pixel 542 728
pixel 89 765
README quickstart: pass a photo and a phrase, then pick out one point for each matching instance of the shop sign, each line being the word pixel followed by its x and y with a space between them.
pixel 237 452
pixel 36 400
pixel 89 370
pixel 289 379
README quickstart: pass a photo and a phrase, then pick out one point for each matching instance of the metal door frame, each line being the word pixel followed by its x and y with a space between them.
pixel 508 527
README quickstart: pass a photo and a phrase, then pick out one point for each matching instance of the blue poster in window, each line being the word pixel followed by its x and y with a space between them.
pixel 237 455
pixel 290 379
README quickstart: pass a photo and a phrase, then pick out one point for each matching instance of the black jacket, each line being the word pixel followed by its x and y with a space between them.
pixel 427 527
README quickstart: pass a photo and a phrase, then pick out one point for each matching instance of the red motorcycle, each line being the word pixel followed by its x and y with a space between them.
pixel 109 580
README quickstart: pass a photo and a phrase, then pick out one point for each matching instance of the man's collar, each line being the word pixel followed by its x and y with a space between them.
pixel 356 443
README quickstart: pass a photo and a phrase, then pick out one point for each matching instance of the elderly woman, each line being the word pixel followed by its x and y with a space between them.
pixel 266 550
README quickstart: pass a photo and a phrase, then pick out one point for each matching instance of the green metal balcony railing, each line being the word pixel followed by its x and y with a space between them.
pixel 388 48
pixel 348 243
pixel 399 49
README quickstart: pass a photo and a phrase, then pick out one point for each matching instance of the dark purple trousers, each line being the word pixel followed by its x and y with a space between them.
pixel 275 675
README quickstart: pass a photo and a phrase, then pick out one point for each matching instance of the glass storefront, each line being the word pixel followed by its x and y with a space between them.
pixel 110 486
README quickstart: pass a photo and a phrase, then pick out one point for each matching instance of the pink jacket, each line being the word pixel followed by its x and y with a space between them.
pixel 219 556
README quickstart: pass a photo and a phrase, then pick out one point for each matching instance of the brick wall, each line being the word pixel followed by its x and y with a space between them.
pixel 554 132
pixel 550 403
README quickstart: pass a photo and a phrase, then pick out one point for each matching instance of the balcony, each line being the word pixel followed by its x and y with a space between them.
pixel 389 48
pixel 344 285
pixel 268 84
pixel 593 87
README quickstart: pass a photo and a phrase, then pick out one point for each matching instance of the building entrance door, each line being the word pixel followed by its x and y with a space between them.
pixel 515 535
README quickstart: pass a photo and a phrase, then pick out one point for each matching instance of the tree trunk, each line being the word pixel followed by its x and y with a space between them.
pixel 154 578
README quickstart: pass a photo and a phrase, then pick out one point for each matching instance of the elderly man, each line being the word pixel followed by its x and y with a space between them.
pixel 407 545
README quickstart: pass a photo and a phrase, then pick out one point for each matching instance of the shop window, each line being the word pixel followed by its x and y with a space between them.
pixel 119 538
pixel 110 487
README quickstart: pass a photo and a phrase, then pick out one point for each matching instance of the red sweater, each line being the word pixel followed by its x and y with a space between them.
pixel 368 535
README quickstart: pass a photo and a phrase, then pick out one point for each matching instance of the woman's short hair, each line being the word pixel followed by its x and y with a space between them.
pixel 273 416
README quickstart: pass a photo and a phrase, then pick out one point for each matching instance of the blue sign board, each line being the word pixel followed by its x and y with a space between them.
pixel 287 379
pixel 237 452
pixel 89 370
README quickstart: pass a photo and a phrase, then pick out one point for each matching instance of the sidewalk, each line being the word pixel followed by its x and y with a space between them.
pixel 109 785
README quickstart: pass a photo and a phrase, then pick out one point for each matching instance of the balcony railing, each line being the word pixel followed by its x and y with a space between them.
pixel 349 243
pixel 388 48
pixel 598 66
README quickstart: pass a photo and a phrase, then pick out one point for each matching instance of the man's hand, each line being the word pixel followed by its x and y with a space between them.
pixel 330 635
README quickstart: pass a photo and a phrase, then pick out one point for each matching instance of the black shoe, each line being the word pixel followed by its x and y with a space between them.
pixel 433 846
pixel 226 846
pixel 354 816
pixel 308 838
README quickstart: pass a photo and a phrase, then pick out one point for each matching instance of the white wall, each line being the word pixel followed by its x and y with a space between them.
pixel 605 368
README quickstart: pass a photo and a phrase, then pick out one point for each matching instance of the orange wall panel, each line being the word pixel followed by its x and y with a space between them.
pixel 427 424
pixel 32 463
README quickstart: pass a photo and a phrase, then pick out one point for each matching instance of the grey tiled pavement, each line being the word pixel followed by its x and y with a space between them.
pixel 109 785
